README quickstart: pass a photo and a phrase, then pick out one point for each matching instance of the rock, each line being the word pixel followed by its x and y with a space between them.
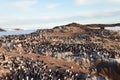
pixel 17 29
pixel 2 29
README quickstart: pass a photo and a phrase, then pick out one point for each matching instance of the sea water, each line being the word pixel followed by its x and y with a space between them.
pixel 15 32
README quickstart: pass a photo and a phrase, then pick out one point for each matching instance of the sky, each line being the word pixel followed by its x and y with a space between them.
pixel 32 14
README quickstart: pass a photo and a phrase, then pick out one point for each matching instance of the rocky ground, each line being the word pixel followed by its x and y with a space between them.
pixel 67 52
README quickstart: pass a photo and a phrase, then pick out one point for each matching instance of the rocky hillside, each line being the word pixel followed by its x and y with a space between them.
pixel 80 51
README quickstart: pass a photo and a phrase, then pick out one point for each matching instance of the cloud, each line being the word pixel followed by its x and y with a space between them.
pixel 24 4
pixel 51 21
pixel 52 6
pixel 86 15
pixel 89 2
pixel 27 20
pixel 115 1
pixel 86 2
pixel 97 14
pixel 81 2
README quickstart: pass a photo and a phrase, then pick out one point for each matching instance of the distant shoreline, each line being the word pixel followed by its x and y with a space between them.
pixel 15 32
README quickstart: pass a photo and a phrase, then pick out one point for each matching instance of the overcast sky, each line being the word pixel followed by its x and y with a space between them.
pixel 29 14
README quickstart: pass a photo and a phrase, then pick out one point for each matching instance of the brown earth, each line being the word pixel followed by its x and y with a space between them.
pixel 69 31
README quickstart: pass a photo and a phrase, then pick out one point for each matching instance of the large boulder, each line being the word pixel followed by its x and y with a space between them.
pixel 109 69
